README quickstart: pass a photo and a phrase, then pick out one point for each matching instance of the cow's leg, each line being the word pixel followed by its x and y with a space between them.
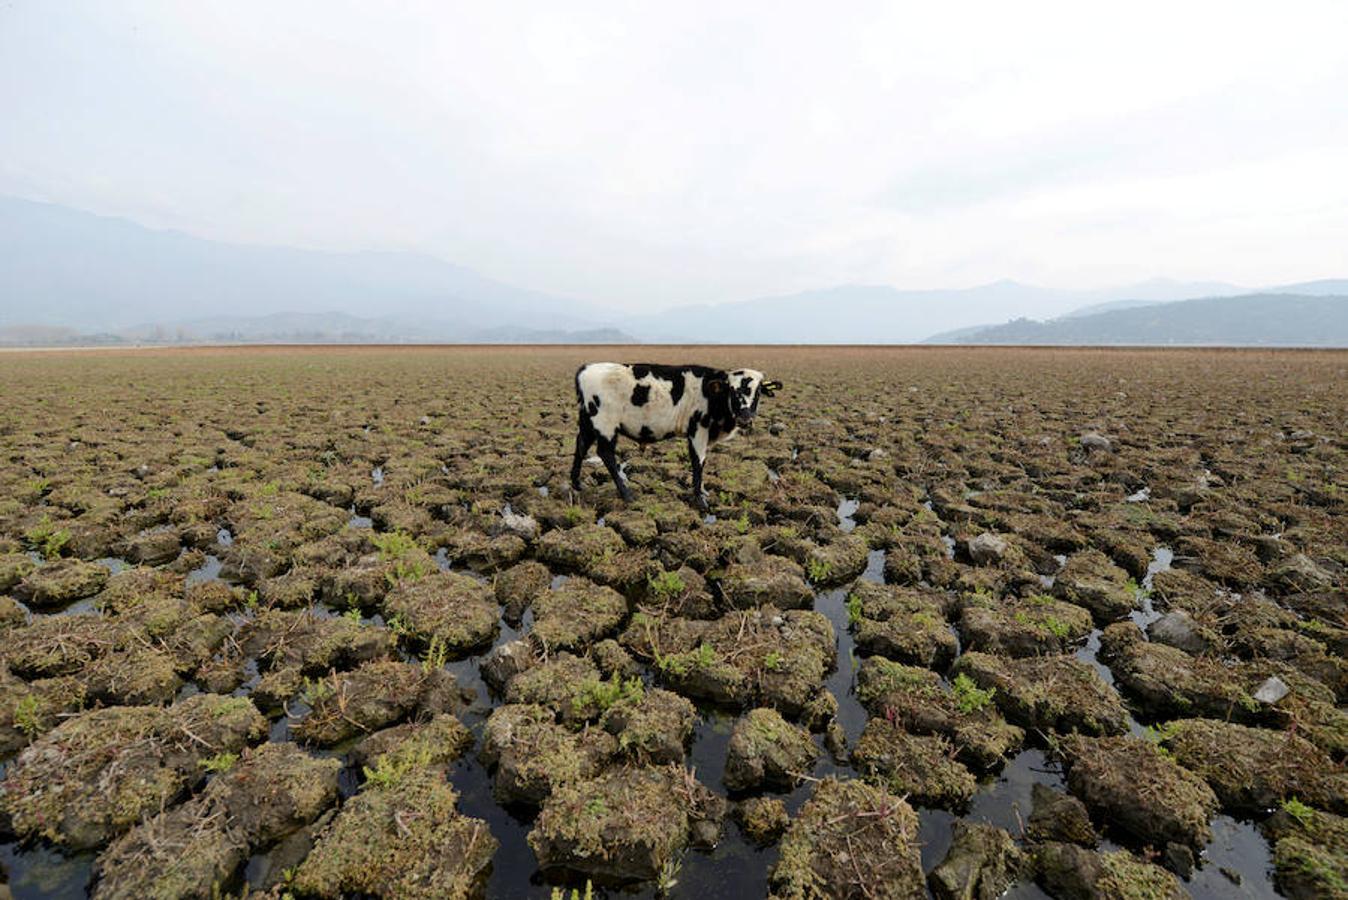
pixel 584 438
pixel 608 453
pixel 697 455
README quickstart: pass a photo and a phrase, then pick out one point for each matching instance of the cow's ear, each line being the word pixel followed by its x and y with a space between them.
pixel 771 387
pixel 715 387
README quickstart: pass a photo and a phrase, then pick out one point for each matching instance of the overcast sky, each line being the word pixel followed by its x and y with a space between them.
pixel 641 155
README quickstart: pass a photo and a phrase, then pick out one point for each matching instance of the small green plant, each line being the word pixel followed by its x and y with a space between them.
pixel 1159 734
pixel 352 615
pixel 606 694
pixel 220 762
pixel 390 768
pixel 252 603
pixel 46 538
pixel 969 696
pixel 1299 811
pixel 437 654
pixel 561 893
pixel 819 570
pixel 704 656
pixel 573 515
pixel 666 585
pixel 853 609
pixel 26 715
pixel 742 524
pixel 773 661
pixel 393 544
pixel 596 807
pixel 315 691
pixel 669 876
pixel 1057 627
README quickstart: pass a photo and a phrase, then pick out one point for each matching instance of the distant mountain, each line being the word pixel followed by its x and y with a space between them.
pixel 1328 287
pixel 877 314
pixel 1253 320
pixel 64 267
pixel 1108 306
pixel 304 328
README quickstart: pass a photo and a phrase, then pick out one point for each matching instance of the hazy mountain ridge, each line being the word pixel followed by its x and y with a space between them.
pixel 1252 320
pixel 69 277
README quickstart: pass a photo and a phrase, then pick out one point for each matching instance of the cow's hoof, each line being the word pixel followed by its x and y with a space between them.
pixel 702 505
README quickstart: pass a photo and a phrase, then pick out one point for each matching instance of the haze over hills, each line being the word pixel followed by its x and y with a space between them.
pixel 69 277
pixel 1252 320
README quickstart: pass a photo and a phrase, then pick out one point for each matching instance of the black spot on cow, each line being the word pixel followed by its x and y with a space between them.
pixel 640 394
pixel 646 435
pixel 640 370
pixel 676 387
pixel 694 422
pixel 593 407
pixel 744 385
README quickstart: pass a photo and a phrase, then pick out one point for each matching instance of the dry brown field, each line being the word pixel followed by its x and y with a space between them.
pixel 325 622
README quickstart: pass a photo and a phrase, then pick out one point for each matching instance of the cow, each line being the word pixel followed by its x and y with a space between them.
pixel 648 403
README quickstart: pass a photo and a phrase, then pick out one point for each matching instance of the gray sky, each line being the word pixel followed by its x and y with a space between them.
pixel 641 155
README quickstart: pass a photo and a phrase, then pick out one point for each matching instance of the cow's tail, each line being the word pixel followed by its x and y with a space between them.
pixel 580 395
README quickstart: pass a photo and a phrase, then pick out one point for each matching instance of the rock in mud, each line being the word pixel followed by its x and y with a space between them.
pixel 194 848
pixel 1060 693
pixel 1128 782
pixel 1069 872
pixel 1180 630
pixel 654 729
pixel 988 549
pixel 850 840
pixel 517 587
pixel 766 751
pixel 921 767
pixel 981 864
pixel 505 662
pixel 627 825
pixel 763 819
pixel 61 583
pixel 1060 817
pixel 576 614
pixel 917 700
pixel 905 624
pixel 1022 626
pixel 377 694
pixel 530 755
pixel 450 610
pixel 1253 769
pixel 1091 580
pixel 770 580
pixel 101 772
pixel 403 838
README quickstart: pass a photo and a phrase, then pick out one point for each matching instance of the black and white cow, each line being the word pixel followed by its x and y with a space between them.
pixel 650 403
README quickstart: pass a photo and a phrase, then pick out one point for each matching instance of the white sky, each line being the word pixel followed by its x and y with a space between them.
pixel 643 154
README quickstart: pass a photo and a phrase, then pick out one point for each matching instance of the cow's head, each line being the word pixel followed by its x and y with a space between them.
pixel 746 386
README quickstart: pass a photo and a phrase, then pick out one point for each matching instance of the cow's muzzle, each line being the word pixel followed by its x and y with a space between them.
pixel 744 420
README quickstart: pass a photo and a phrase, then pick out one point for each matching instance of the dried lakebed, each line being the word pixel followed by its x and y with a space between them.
pixel 322 623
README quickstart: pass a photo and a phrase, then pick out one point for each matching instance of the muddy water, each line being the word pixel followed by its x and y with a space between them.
pixel 735 868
